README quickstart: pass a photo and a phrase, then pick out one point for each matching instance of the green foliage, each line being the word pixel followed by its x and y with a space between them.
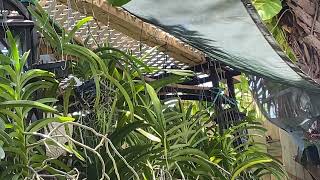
pixel 118 2
pixel 280 37
pixel 251 163
pixel 267 9
pixel 150 138
pixel 17 89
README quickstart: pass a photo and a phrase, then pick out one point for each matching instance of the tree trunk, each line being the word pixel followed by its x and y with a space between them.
pixel 300 20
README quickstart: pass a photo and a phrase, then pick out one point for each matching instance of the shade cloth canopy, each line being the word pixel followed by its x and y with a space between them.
pixel 224 30
pixel 231 32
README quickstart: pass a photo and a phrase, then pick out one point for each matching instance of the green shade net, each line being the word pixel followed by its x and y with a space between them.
pixel 29 1
pixel 224 30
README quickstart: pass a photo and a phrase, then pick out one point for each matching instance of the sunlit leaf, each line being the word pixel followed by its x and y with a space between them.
pixel 118 2
pixel 149 135
pixel 267 9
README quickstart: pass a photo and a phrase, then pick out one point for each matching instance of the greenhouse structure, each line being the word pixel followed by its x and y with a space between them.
pixel 159 89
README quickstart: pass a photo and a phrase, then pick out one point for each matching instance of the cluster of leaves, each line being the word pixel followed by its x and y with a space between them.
pixel 267 9
pixel 20 150
pixel 270 12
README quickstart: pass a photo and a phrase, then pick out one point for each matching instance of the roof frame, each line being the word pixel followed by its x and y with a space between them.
pixel 151 35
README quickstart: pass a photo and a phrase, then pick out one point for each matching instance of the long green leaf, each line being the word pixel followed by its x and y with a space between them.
pixel 14 51
pixel 122 132
pixel 156 104
pixel 249 164
pixel 76 28
pixel 149 135
pixel 39 124
pixel 35 73
pixel 27 103
pixel 31 88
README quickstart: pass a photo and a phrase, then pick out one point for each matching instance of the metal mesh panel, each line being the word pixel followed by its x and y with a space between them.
pixel 295 110
pixel 96 33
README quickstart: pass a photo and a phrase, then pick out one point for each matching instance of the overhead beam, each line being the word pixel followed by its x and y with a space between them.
pixel 219 67
pixel 136 28
pixel 168 90
pixel 187 97
pixel 16 6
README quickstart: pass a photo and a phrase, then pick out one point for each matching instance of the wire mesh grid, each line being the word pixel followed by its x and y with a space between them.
pixel 96 33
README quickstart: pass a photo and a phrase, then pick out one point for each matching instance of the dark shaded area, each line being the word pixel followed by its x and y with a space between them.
pixel 21 25
pixel 310 156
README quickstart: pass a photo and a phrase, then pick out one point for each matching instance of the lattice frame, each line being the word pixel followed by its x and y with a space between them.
pixel 95 33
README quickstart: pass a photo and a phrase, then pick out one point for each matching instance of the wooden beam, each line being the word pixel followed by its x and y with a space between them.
pixel 136 28
pixel 187 97
pixel 18 23
pixel 16 6
pixel 181 86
